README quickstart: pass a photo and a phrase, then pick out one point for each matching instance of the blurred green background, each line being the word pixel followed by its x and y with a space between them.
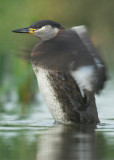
pixel 17 80
pixel 23 121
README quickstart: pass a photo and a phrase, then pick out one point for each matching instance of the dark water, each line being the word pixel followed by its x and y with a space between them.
pixel 37 138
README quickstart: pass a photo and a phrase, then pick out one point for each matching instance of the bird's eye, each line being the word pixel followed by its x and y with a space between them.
pixel 38 27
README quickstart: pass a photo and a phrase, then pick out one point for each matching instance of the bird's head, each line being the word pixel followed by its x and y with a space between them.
pixel 44 29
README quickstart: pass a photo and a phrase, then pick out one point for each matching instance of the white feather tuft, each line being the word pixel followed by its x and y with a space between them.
pixel 85 78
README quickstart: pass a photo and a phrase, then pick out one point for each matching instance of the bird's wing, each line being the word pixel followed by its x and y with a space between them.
pixel 72 51
pixel 101 69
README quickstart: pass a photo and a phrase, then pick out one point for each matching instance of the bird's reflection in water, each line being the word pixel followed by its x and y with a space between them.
pixel 67 142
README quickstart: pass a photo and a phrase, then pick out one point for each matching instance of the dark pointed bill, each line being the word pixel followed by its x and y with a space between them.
pixel 24 30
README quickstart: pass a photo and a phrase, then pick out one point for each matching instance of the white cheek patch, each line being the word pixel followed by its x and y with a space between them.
pixel 41 32
pixel 85 77
pixel 46 32
pixel 43 29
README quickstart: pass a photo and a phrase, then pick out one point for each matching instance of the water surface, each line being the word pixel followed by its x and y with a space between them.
pixel 36 137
